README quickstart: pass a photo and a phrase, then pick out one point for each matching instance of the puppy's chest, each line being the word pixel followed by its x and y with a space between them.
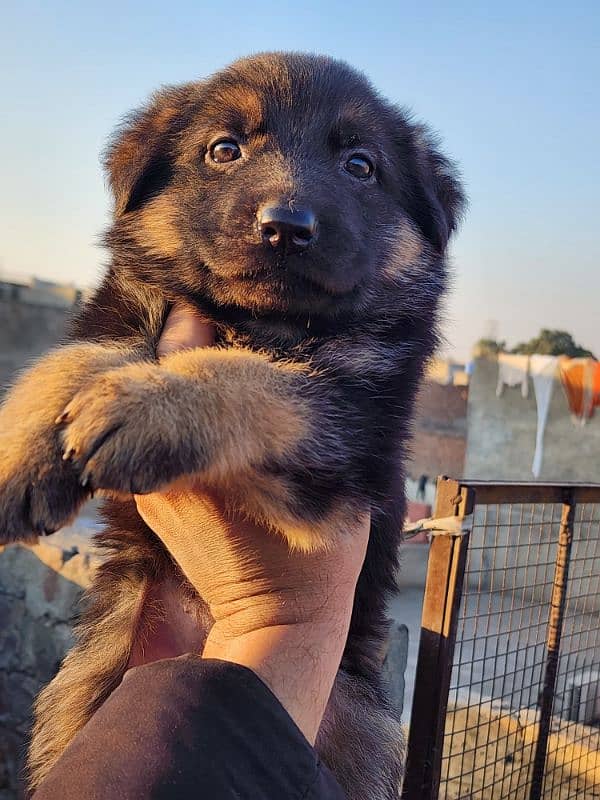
pixel 279 343
pixel 359 356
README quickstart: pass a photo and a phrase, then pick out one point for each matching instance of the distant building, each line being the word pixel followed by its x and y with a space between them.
pixel 37 292
pixel 440 428
pixel 33 317
pixel 448 372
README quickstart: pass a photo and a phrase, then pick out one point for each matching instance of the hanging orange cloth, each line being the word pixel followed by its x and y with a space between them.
pixel 596 386
pixel 581 382
pixel 572 374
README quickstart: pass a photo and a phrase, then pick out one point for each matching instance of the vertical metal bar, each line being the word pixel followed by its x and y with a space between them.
pixel 555 625
pixel 443 592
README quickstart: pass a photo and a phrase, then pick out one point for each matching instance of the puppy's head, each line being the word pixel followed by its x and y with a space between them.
pixel 282 184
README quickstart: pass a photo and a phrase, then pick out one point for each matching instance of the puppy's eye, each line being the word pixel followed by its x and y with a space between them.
pixel 224 151
pixel 359 166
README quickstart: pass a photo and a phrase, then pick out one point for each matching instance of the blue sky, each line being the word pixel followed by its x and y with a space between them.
pixel 512 88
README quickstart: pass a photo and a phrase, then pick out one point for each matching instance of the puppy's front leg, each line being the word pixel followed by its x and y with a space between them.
pixel 233 418
pixel 39 491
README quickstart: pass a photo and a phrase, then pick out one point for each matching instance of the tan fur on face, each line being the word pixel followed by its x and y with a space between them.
pixel 237 107
pixel 408 247
pixel 155 229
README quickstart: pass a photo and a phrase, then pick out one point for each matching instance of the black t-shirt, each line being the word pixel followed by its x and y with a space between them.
pixel 187 727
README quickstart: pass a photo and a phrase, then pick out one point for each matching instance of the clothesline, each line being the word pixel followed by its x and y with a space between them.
pixel 580 379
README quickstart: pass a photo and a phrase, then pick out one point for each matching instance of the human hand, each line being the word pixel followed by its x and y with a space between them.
pixel 285 614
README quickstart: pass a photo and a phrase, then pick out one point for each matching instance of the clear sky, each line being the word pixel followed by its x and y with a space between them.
pixel 512 87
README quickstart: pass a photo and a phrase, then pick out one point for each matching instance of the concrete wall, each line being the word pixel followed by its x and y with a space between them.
pixel 501 434
pixel 40 587
pixel 26 331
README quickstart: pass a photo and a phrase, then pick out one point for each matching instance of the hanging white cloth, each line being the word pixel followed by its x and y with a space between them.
pixel 542 370
pixel 513 370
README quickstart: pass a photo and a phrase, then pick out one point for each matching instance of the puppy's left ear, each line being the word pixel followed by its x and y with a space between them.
pixel 139 158
pixel 438 199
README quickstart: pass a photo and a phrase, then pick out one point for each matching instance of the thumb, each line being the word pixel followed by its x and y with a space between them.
pixel 183 329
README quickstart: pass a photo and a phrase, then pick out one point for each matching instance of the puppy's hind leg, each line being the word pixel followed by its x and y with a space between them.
pixel 114 620
pixel 362 741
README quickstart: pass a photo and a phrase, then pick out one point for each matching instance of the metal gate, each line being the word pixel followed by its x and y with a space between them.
pixel 507 697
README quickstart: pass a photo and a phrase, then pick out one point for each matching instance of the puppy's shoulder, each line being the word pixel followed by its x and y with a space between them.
pixel 121 310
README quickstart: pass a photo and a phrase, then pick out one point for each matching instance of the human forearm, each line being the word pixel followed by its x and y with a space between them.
pixel 297 661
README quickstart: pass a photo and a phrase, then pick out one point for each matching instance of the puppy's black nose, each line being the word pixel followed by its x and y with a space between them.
pixel 289 230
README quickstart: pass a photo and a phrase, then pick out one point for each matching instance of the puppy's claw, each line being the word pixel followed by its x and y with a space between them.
pixel 62 419
pixel 42 529
pixel 68 454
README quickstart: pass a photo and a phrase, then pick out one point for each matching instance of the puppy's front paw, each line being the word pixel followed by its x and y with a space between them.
pixel 39 493
pixel 122 431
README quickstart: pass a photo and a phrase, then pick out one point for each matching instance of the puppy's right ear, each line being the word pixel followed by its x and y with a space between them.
pixel 138 159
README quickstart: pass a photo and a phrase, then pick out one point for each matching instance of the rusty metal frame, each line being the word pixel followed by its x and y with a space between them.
pixel 441 604
pixel 490 492
pixel 445 573
pixel 555 625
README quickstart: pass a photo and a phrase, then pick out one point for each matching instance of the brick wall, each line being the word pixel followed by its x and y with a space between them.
pixel 440 431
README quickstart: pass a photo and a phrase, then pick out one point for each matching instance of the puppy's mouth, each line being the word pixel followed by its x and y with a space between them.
pixel 268 289
pixel 293 282
pixel 289 274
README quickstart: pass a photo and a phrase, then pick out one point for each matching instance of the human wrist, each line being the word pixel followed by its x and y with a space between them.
pixel 298 661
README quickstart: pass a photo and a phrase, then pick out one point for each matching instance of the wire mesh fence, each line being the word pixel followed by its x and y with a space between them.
pixel 507 697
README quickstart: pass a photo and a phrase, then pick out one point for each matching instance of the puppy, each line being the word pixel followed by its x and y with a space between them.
pixel 308 219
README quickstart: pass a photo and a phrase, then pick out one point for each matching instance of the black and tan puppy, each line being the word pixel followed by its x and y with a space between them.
pixel 308 219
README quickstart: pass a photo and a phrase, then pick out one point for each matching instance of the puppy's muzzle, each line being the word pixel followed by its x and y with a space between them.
pixel 287 230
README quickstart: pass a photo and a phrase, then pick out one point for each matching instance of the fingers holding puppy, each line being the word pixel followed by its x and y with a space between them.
pixel 185 329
